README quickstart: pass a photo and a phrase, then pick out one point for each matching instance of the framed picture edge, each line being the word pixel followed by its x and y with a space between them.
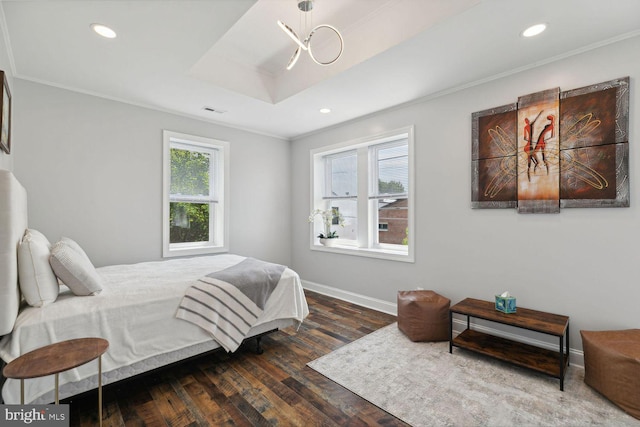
pixel 5 145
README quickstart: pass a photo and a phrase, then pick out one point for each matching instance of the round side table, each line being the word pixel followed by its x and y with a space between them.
pixel 56 358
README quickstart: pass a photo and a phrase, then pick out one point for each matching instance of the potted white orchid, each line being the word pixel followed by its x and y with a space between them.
pixel 328 216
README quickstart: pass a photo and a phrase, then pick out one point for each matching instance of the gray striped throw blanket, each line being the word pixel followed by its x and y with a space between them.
pixel 227 303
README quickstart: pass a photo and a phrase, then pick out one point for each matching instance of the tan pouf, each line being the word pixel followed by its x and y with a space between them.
pixel 612 366
pixel 423 315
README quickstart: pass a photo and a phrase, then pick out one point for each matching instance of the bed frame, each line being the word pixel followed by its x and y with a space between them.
pixel 13 223
pixel 13 218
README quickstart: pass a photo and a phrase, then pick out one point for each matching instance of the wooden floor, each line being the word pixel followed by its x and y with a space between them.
pixel 246 389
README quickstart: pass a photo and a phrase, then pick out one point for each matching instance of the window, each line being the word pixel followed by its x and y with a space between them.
pixel 370 183
pixel 194 187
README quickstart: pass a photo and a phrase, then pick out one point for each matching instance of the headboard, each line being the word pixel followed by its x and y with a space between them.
pixel 13 223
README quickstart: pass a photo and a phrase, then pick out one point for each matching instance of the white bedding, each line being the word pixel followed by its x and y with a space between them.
pixel 135 312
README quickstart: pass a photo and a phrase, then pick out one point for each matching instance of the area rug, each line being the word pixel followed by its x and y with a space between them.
pixel 424 385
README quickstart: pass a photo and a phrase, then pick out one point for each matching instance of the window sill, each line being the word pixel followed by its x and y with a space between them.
pixel 193 250
pixel 388 254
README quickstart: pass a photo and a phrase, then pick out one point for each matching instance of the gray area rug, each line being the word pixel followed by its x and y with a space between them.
pixel 424 385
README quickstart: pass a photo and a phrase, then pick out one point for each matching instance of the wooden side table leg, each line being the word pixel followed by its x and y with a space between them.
pixel 100 389
pixel 57 385
pixel 21 391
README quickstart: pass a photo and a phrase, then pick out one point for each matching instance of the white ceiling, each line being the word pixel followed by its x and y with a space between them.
pixel 230 55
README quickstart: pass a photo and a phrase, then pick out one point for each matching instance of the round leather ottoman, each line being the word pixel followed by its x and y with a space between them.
pixel 423 315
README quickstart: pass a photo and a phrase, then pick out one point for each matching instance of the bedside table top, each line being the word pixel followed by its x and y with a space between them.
pixel 56 358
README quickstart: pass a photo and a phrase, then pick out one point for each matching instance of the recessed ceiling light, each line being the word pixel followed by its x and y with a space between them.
pixel 534 30
pixel 325 110
pixel 104 31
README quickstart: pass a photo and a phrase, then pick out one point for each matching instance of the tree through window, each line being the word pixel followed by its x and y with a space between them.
pixel 194 219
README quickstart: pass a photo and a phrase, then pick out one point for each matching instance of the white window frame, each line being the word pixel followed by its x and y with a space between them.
pixel 366 245
pixel 219 212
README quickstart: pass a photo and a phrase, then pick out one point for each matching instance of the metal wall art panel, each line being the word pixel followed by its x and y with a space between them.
pixel 553 149
pixel 493 158
pixel 594 134
pixel 539 152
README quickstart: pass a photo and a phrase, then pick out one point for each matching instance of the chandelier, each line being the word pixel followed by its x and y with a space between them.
pixel 305 44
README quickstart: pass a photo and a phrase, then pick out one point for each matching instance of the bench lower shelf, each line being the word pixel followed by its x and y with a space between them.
pixel 525 355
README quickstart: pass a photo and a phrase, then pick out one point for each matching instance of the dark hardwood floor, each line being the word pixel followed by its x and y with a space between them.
pixel 275 388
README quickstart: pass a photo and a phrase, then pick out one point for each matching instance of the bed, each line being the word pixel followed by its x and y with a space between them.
pixel 135 311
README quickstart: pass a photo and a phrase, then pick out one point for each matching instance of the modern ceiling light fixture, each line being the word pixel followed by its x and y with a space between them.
pixel 307 6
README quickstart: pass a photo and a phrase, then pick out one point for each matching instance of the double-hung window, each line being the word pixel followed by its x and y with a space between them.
pixel 195 187
pixel 368 185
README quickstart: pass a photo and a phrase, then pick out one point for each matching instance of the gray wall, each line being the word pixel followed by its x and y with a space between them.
pixel 93 171
pixel 584 263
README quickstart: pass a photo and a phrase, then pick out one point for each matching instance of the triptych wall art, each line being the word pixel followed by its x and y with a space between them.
pixel 553 150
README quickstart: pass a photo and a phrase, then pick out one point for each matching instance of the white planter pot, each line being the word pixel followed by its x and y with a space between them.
pixel 328 242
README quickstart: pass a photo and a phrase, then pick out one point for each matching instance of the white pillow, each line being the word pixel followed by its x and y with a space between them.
pixel 74 268
pixel 76 247
pixel 38 284
pixel 38 235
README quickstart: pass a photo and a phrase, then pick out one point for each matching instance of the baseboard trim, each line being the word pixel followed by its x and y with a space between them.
pixel 362 300
pixel 576 356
